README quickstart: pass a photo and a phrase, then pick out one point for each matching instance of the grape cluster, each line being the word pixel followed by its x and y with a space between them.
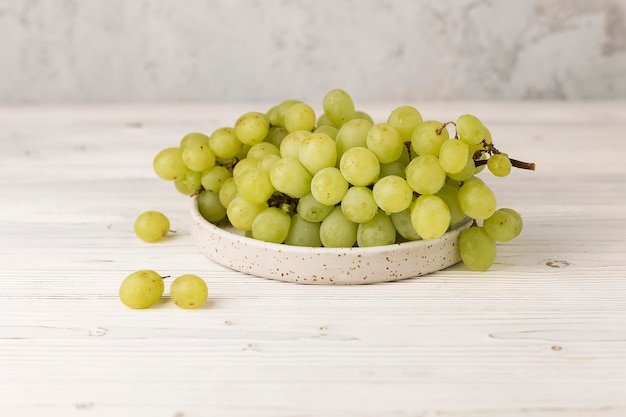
pixel 340 180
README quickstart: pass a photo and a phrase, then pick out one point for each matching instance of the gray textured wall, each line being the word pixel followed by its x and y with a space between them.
pixel 240 50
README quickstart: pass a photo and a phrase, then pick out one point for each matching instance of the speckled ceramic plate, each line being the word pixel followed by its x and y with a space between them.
pixel 305 265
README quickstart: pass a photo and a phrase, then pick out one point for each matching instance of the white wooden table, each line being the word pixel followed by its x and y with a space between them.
pixel 543 333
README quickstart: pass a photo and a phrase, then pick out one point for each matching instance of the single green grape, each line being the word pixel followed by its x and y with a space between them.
pixel 328 186
pixel 358 204
pixel 251 128
pixel 352 134
pixel 228 191
pixel 141 289
pixel 450 195
pixel 254 185
pixel 405 119
pixel 478 249
pixel 241 213
pixel 224 143
pixel 392 194
pixel 477 200
pixel 261 149
pixel 152 226
pixel 210 207
pixel 396 168
pixel 213 178
pixel 275 135
pixel 281 110
pixel 312 210
pixel 385 141
pixel 359 114
pixel 290 145
pixel 300 116
pixel 338 106
pixel 425 139
pixel 194 138
pixel 336 231
pixel 430 216
pixel 425 175
pixel 316 152
pixel 189 291
pixel 359 166
pixel 470 129
pixel 402 222
pixel 330 131
pixel 453 156
pixel 303 233
pixel 379 231
pixel 499 164
pixel 289 177
pixel 271 225
pixel 168 164
pixel 503 225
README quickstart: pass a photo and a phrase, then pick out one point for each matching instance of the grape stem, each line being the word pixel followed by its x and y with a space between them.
pixel 443 126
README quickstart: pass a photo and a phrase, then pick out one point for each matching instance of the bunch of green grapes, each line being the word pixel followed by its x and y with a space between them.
pixel 341 180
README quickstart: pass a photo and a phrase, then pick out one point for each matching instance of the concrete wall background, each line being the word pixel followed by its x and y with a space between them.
pixel 252 50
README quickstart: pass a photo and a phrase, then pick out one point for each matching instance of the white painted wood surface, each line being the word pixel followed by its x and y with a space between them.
pixel 543 333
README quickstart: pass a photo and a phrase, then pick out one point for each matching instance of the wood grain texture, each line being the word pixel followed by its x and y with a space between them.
pixel 542 334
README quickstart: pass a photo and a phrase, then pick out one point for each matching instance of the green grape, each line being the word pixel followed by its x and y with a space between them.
pixel 243 153
pixel 282 110
pixel 290 146
pixel 141 289
pixel 244 165
pixel 241 213
pixel 316 152
pixel 224 143
pixel 336 231
pixel 449 194
pixel 478 249
pixel 503 225
pixel 469 129
pixel 152 226
pixel 272 115
pixel 168 164
pixel 392 194
pixel 405 119
pixel 255 186
pixel 487 135
pixel 189 291
pixel 358 114
pixel 300 116
pixel 275 135
pixel 405 157
pixel 192 182
pixel 477 200
pixel 328 186
pixel 261 149
pixel 338 107
pixel 377 232
pixel 323 120
pixel 359 166
pixel 402 222
pixel 194 138
pixel 453 156
pixel 303 233
pixel 351 135
pixel 466 173
pixel 330 131
pixel 228 191
pixel 499 164
pixel 392 168
pixel 213 178
pixel 251 128
pixel 210 207
pixel 430 216
pixel 426 141
pixel 424 174
pixel 358 204
pixel 385 142
pixel 266 162
pixel 182 187
pixel 271 225
pixel 312 210
pixel 289 177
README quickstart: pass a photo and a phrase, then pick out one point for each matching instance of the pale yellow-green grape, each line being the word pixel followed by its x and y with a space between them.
pixel 470 129
pixel 478 249
pixel 328 186
pixel 477 200
pixel 316 152
pixel 392 168
pixel 289 177
pixel 290 145
pixel 251 128
pixel 385 142
pixel 244 165
pixel 449 194
pixel 358 204
pixel 405 157
pixel 351 135
pixel 168 164
pixel 499 164
pixel 425 175
pixel 303 233
pixel 192 181
pixel 338 106
pixel 210 207
pixel 358 114
pixel 152 226
pixel 487 135
pixel 241 213
pixel 141 289
pixel 195 138
pixel 330 131
pixel 323 120
pixel 228 191
pixel 377 232
pixel 261 149
pixel 312 210
pixel 275 135
pixel 426 141
pixel 405 119
pixel 336 231
pixel 359 166
pixel 430 216
pixel 189 291
pixel 224 143
pixel 453 156
pixel 504 225
pixel 271 225
pixel 300 116
pixel 272 115
pixel 255 186
pixel 466 173
pixel 279 118
pixel 266 162
pixel 392 194
pixel 213 178
pixel 402 222
pixel 182 187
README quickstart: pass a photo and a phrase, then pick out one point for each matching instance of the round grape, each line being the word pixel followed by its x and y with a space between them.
pixel 189 291
pixel 152 226
pixel 141 289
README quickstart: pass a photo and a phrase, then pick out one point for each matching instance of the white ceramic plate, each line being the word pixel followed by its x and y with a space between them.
pixel 305 265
